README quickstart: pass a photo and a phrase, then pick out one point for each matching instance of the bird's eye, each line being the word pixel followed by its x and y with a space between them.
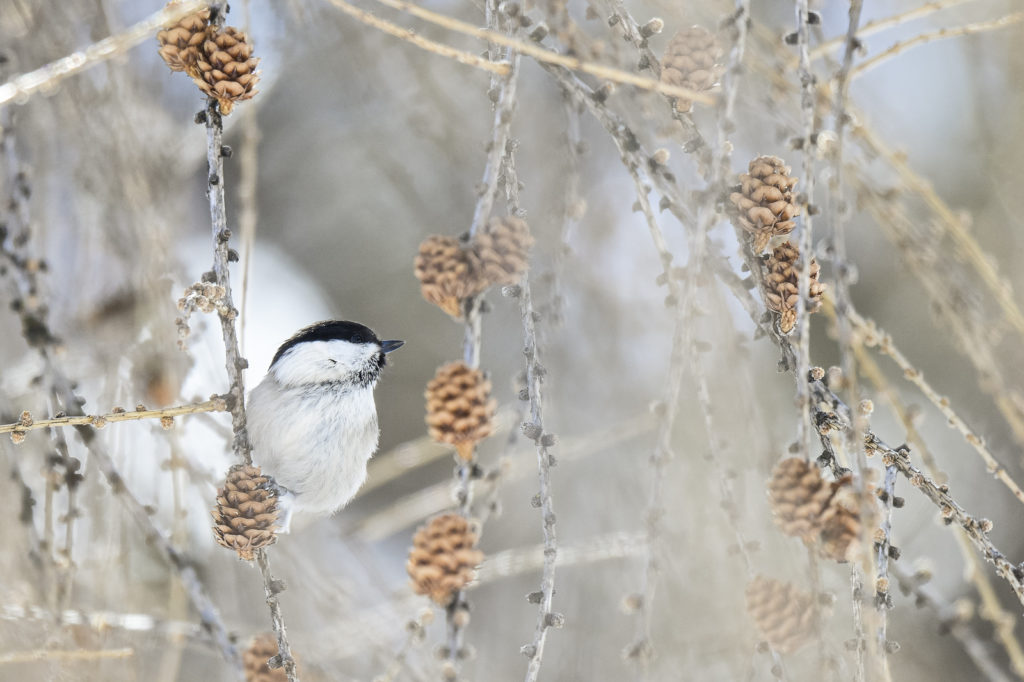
pixel 356 338
pixel 332 361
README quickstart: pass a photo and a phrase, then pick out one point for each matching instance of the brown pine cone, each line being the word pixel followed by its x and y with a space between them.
pixel 181 43
pixel 443 558
pixel 798 496
pixel 227 69
pixel 502 251
pixel 691 61
pixel 446 273
pixel 840 522
pixel 460 410
pixel 246 513
pixel 764 205
pixel 785 615
pixel 254 660
pixel 782 285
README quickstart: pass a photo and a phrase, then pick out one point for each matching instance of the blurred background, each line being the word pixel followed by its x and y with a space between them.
pixel 357 147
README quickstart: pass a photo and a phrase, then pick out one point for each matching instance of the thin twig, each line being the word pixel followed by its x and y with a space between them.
pixel 977 529
pixel 45 79
pixel 877 338
pixel 690 138
pixel 1002 622
pixel 234 363
pixel 216 404
pixel 534 429
pixel 803 356
pixel 883 550
pixel 59 655
pixel 878 25
pixel 410 36
pixel 975 647
pixel 105 621
pixel 208 614
pixel 408 510
pixel 941 34
pixel 248 184
pixel 504 86
pixel 271 588
pixel 546 56
pixel 854 443
pixel 416 632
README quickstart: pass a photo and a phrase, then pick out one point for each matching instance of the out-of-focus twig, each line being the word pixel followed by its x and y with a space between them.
pixel 803 356
pixel 21 88
pixel 406 511
pixel 410 36
pixel 248 182
pixel 941 34
pixel 208 613
pixel 546 56
pixel 977 649
pixel 878 25
pixel 64 655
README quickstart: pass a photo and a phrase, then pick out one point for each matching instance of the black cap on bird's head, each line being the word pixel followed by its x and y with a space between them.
pixel 337 330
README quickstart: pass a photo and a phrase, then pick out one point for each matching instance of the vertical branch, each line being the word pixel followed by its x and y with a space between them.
pixel 803 356
pixel 883 550
pixel 534 429
pixel 247 184
pixel 233 361
pixel 502 92
pixel 271 588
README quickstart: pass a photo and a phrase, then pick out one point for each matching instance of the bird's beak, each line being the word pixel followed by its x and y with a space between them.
pixel 388 346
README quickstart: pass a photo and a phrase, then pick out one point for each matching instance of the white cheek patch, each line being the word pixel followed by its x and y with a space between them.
pixel 318 361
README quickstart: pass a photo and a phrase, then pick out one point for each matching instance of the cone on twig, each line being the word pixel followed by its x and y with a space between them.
pixel 503 251
pixel 782 283
pixel 798 495
pixel 227 69
pixel 452 270
pixel 182 42
pixel 443 558
pixel 840 523
pixel 219 60
pixel 246 512
pixel 460 410
pixel 692 61
pixel 254 660
pixel 785 615
pixel 446 273
pixel 822 514
pixel 764 202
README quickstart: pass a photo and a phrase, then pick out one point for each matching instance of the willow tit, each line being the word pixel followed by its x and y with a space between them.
pixel 313 421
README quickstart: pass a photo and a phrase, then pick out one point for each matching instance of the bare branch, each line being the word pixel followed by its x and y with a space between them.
pixel 878 25
pixel 941 34
pixel 61 655
pixel 546 56
pixel 410 36
pixel 27 423
pixel 21 88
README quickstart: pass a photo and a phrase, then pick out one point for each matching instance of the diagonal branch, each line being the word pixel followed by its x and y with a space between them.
pixel 21 88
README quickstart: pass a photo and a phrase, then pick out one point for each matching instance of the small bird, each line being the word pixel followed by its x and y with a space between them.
pixel 313 420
